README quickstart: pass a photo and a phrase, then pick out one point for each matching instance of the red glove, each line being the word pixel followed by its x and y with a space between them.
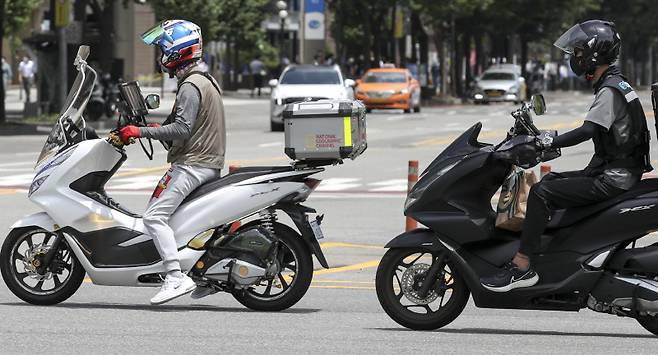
pixel 128 132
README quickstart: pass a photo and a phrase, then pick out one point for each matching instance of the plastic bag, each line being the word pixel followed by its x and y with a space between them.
pixel 513 199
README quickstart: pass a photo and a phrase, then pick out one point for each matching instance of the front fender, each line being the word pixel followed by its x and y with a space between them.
pixel 40 219
pixel 420 237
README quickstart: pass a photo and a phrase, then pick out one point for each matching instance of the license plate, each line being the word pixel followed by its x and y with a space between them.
pixel 494 94
pixel 317 231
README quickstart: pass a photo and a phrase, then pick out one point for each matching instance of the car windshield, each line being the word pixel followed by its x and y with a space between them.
pixel 298 76
pixel 498 76
pixel 385 77
pixel 71 113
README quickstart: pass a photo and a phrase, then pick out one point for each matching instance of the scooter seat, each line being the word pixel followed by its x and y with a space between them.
pixel 238 175
pixel 566 217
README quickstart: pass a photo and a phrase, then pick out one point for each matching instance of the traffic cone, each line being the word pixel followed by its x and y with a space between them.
pixel 412 178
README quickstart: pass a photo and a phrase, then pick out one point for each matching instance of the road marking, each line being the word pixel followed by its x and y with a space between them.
pixel 344 287
pixel 16 164
pixel 268 145
pixel 491 134
pixel 338 184
pixel 330 245
pixel 359 266
pixel 396 185
pixel 7 191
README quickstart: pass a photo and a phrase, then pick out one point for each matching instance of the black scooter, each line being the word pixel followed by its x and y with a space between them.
pixel 589 255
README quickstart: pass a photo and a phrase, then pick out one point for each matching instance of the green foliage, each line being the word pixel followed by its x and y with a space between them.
pixel 17 13
pixel 229 20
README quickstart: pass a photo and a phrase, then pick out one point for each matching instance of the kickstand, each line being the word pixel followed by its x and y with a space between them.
pixel 634 312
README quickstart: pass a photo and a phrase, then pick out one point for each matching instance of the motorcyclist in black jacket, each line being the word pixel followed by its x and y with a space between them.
pixel 617 125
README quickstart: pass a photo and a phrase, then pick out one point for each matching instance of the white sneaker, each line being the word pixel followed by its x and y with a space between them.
pixel 174 287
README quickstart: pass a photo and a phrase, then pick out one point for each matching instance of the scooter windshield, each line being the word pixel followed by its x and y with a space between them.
pixel 71 113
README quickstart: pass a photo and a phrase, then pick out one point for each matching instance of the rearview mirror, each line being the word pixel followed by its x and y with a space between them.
pixel 538 104
pixel 83 53
pixel 273 82
pixel 349 82
pixel 152 101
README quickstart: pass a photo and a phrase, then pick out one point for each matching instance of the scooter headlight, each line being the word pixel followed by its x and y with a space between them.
pixel 36 184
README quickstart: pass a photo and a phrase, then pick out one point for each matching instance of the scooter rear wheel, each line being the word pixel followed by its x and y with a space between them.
pixel 290 284
pixel 20 258
pixel 400 274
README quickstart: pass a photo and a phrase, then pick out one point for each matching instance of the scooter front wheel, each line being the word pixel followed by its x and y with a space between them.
pixel 21 263
pixel 400 276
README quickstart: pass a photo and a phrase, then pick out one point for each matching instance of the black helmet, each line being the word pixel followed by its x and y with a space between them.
pixel 597 39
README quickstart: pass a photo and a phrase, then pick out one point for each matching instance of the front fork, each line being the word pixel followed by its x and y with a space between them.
pixel 432 274
pixel 50 255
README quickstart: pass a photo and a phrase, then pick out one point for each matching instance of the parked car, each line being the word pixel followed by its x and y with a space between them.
pixel 500 83
pixel 389 88
pixel 306 82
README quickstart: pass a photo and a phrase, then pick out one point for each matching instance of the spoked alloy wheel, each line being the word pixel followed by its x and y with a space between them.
pixel 292 281
pixel 400 275
pixel 21 261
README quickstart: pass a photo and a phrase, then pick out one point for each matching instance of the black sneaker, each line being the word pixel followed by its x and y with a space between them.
pixel 508 278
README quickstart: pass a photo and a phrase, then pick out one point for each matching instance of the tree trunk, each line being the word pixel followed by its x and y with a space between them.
pixel 453 58
pixel 2 84
pixel 479 56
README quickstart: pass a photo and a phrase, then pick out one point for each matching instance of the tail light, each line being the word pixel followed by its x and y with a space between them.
pixel 312 183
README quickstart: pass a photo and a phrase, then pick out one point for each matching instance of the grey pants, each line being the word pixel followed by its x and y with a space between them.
pixel 176 184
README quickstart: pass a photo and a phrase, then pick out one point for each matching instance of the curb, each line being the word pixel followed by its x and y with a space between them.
pixel 17 129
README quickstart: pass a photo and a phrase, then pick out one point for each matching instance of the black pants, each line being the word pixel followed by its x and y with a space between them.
pixel 557 191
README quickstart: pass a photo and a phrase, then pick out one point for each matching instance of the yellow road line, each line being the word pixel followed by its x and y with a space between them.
pixel 8 191
pixel 491 134
pixel 330 245
pixel 359 266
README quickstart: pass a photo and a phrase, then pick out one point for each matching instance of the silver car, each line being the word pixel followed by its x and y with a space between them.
pixel 500 83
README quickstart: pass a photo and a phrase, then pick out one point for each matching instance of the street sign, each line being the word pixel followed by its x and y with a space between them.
pixel 62 10
pixel 314 19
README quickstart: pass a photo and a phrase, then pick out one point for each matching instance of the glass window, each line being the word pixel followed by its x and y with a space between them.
pixel 385 77
pixel 498 76
pixel 310 76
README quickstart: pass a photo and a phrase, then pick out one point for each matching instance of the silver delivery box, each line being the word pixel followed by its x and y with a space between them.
pixel 325 130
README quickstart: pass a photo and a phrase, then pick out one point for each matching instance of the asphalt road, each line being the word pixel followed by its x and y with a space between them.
pixel 363 202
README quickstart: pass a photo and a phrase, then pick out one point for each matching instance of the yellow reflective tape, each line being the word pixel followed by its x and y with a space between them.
pixel 347 124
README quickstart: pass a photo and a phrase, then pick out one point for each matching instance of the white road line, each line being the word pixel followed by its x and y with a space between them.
pixel 16 180
pixel 272 144
pixel 338 184
pixel 394 185
pixel 22 163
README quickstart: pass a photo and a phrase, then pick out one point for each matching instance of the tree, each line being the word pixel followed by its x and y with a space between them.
pixel 14 15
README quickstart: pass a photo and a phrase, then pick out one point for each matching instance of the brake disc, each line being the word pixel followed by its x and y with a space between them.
pixel 410 287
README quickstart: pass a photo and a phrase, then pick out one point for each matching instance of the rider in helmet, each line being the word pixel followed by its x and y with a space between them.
pixel 195 135
pixel 617 125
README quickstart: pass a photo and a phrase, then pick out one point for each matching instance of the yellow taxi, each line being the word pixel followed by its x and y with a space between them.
pixel 389 88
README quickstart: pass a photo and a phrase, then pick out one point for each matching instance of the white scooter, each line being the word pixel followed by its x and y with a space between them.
pixel 265 264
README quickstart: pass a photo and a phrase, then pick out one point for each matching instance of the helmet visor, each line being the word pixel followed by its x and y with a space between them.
pixel 575 37
pixel 153 35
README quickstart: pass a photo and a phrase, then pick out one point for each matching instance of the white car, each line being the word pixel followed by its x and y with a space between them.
pixel 500 83
pixel 306 82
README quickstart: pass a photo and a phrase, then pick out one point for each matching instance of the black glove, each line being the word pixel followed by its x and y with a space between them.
pixel 544 141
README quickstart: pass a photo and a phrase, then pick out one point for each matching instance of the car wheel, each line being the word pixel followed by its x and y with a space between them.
pixel 417 109
pixel 368 110
pixel 407 110
pixel 276 127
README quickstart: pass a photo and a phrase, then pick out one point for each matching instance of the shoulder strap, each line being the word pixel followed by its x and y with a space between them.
pixel 618 83
pixel 204 74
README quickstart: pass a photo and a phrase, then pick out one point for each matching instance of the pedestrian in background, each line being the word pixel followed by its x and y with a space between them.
pixel 27 70
pixel 257 69
pixel 6 73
